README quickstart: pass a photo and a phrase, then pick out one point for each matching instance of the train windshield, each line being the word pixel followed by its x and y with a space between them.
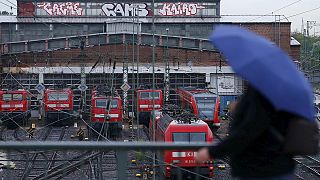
pixel 12 97
pixel 206 106
pixel 148 95
pixel 58 96
pixel 189 137
pixel 102 103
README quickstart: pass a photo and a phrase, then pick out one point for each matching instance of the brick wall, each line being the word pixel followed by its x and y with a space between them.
pixel 279 34
pixel 295 53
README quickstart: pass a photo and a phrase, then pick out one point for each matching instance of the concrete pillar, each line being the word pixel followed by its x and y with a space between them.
pixel 46 44
pixel 123 38
pixel 200 44
pixel 180 42
pixel 160 40
pixel 26 46
pixel 107 39
pixel 66 43
pixel 87 40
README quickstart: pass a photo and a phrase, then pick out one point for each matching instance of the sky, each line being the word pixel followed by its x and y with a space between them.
pixel 261 7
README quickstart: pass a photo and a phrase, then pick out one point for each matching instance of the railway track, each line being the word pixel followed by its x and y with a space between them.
pixel 309 167
pixel 39 161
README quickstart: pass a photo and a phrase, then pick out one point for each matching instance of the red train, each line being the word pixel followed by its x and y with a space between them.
pixel 201 102
pixel 58 106
pixel 174 126
pixel 105 107
pixel 144 103
pixel 15 107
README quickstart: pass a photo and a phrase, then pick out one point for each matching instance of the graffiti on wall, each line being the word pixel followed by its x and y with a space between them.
pixel 226 84
pixel 124 9
pixel 61 9
pixel 179 9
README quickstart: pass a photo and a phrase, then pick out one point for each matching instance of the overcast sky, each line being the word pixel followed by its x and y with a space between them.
pixel 260 7
pixel 257 7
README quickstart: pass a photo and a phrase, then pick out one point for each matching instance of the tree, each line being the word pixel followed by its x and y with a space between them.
pixel 309 56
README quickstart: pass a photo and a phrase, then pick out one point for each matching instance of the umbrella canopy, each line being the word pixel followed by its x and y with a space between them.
pixel 267 68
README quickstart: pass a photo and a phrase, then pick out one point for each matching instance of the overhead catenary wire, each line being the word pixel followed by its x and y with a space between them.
pixel 297 14
pixel 272 12
pixel 153 65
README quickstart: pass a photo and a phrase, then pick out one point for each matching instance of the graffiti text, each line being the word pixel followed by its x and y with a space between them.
pixel 175 9
pixel 123 9
pixel 62 9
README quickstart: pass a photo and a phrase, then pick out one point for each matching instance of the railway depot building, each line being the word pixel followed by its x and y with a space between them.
pixel 42 44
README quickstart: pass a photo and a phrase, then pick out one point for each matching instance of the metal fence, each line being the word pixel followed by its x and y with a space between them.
pixel 121 150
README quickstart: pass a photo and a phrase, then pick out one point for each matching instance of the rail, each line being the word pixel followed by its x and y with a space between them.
pixel 121 148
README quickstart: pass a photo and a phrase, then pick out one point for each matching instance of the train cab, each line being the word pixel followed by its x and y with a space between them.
pixel 15 107
pixel 144 98
pixel 58 106
pixel 201 102
pixel 177 128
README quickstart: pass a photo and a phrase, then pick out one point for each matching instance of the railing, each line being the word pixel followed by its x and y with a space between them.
pixel 98 39
pixel 121 153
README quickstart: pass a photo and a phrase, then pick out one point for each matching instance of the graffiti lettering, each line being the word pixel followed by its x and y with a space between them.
pixel 123 9
pixel 61 9
pixel 175 9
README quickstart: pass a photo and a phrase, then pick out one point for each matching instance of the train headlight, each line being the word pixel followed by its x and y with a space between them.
pixel 99 115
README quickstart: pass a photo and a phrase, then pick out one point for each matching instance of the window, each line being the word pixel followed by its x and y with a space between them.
pixel 17 97
pixel 144 95
pixel 148 95
pixel 206 106
pixel 189 137
pixel 180 137
pixel 197 137
pixel 102 103
pixel 58 96
pixel 6 97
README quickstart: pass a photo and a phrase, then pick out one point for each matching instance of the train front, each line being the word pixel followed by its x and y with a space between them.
pixel 144 103
pixel 58 106
pixel 106 109
pixel 14 108
pixel 208 107
pixel 193 132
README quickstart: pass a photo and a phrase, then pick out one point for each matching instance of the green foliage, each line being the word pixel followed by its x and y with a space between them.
pixel 140 155
pixel 309 52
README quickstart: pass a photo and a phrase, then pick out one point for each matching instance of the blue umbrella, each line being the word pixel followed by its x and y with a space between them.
pixel 267 68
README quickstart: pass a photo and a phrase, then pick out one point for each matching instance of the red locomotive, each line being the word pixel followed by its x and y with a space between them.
pixel 144 103
pixel 174 126
pixel 58 106
pixel 15 107
pixel 201 102
pixel 105 107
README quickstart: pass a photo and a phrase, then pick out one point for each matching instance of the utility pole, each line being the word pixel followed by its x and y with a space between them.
pixel 133 64
pixel 138 43
pixel 83 86
pixel 153 88
pixel 125 81
pixel 167 70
